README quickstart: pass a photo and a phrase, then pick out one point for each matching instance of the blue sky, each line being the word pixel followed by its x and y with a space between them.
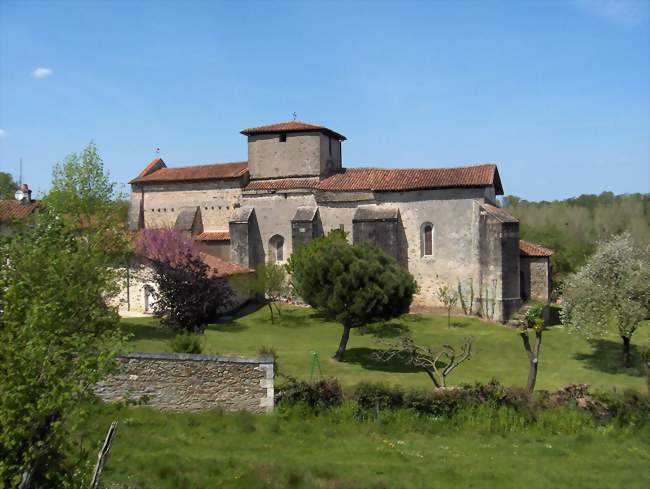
pixel 557 93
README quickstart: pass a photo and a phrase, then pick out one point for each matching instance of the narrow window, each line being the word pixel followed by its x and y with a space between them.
pixel 283 138
pixel 427 240
pixel 276 249
pixel 330 140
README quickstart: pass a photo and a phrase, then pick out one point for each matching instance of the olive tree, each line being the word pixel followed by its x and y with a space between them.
pixel 610 293
pixel 273 283
pixel 438 363
pixel 58 337
pixel 353 285
pixel 448 297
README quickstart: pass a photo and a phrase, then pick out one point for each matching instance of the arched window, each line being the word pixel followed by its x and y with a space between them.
pixel 426 239
pixel 276 249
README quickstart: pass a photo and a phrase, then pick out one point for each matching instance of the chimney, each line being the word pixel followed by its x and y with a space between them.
pixel 27 194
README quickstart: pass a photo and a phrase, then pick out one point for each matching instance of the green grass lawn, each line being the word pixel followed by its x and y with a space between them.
pixel 297 449
pixel 564 359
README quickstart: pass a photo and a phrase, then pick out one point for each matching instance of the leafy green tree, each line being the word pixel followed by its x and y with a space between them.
pixel 611 293
pixel 353 285
pixel 532 322
pixel 57 339
pixel 270 281
pixel 83 192
pixel 573 227
pixel 7 186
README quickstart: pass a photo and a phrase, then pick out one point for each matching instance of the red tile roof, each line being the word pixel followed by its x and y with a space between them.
pixel 213 236
pixel 215 171
pixel 12 209
pixel 283 184
pixel 222 268
pixel 291 126
pixel 389 180
pixel 526 248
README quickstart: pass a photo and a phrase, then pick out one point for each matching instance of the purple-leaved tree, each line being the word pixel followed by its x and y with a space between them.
pixel 189 294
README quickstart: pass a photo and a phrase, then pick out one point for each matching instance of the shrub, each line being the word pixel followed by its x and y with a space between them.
pixel 187 343
pixel 378 396
pixel 323 393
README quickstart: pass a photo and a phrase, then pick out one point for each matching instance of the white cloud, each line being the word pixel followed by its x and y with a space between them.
pixel 3 133
pixel 623 12
pixel 42 72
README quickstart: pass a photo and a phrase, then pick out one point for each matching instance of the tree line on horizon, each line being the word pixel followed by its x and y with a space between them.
pixel 573 227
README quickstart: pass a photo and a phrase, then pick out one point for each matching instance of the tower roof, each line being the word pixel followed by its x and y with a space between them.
pixel 291 126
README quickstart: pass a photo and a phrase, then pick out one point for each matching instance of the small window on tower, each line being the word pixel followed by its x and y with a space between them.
pixel 283 138
pixel 330 140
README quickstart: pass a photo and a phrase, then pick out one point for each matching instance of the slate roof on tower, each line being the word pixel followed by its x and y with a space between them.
pixel 291 126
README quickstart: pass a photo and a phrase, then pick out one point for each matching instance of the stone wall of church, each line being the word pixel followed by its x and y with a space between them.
pixel 536 278
pixel 163 202
pixel 273 215
pixel 453 213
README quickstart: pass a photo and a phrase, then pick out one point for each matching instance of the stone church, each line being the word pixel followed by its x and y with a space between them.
pixel 443 224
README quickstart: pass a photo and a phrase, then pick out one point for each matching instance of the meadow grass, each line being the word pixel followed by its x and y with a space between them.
pixel 298 448
pixel 564 359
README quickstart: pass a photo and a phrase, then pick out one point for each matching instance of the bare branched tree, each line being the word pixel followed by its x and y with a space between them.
pixel 438 364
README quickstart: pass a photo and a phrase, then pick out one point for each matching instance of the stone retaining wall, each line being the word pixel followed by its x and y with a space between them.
pixel 185 382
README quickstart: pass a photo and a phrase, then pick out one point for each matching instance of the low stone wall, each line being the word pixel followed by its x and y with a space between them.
pixel 185 382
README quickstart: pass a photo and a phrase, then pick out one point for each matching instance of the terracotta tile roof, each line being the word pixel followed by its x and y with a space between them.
pixel 157 172
pixel 388 180
pixel 12 209
pixel 213 236
pixel 380 179
pixel 222 268
pixel 526 248
pixel 283 184
pixel 291 126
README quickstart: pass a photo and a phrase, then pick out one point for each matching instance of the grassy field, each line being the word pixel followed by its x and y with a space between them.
pixel 565 358
pixel 296 449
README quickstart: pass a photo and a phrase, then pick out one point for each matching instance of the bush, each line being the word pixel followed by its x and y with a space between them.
pixel 378 396
pixel 323 393
pixel 187 343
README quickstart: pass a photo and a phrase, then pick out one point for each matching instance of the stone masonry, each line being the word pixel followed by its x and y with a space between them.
pixel 442 224
pixel 186 382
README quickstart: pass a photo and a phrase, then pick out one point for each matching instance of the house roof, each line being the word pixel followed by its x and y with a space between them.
pixel 390 180
pixel 222 268
pixel 158 172
pixel 12 209
pixel 213 236
pixel 291 126
pixel 527 248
